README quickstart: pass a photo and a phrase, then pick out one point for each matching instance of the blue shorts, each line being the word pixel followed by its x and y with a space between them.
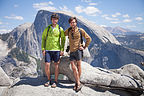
pixel 52 56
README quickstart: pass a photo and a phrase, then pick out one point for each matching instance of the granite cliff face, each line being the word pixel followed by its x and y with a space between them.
pixel 114 56
pixel 14 61
pixel 19 64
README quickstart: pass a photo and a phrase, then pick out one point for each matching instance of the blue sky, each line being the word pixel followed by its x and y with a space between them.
pixel 111 13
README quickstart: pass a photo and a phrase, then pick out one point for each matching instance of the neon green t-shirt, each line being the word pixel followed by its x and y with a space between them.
pixel 55 39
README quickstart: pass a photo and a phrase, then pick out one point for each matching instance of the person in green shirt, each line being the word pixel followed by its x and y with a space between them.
pixel 53 40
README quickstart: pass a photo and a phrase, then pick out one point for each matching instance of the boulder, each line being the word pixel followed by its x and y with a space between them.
pixel 133 71
pixel 98 76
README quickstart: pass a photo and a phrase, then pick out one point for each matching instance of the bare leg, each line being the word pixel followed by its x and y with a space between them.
pixel 56 70
pixel 54 85
pixel 47 70
pixel 79 67
pixel 76 75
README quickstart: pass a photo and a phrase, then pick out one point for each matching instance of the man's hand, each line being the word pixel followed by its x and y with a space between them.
pixel 82 48
pixel 61 53
pixel 43 52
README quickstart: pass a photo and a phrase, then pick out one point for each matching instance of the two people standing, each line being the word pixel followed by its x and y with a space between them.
pixel 52 48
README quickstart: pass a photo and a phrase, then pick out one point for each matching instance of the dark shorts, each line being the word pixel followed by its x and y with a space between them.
pixel 52 56
pixel 77 55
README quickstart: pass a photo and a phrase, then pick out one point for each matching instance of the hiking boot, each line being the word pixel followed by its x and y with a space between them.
pixel 54 85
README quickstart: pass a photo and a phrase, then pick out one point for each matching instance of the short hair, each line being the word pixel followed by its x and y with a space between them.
pixel 71 18
pixel 54 15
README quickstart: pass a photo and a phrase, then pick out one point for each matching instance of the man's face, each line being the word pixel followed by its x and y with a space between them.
pixel 73 23
pixel 54 21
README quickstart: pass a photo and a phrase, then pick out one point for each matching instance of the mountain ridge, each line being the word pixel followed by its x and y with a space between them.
pixel 121 31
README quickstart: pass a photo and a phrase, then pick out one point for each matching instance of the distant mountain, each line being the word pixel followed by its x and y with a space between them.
pixel 128 38
pixel 132 41
pixel 121 31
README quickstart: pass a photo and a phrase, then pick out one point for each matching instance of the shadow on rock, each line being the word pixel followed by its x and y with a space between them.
pixel 31 81
pixel 65 84
pixel 41 81
pixel 118 91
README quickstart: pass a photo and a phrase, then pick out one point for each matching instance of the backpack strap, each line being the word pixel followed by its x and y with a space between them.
pixel 80 36
pixel 47 35
pixel 47 31
pixel 60 32
pixel 81 40
pixel 69 31
pixel 59 36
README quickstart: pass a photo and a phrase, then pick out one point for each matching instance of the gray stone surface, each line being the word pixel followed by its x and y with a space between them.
pixel 15 68
pixel 4 79
pixel 133 71
pixel 34 87
pixel 97 82
pixel 3 90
